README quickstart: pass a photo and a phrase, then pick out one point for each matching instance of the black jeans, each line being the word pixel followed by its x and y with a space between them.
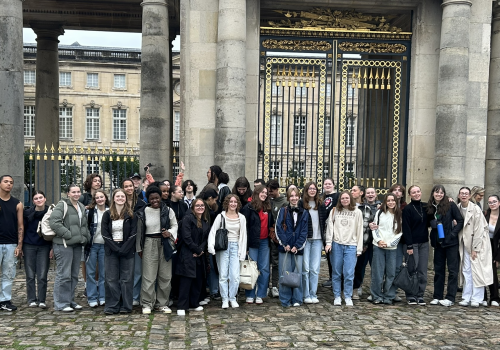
pixel 190 289
pixel 359 270
pixel 446 257
pixel 493 287
pixel 36 265
pixel 274 260
pixel 119 282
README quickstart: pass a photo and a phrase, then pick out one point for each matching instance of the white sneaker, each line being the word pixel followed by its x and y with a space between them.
pixel 308 301
pixel 315 300
pixel 348 302
pixel 337 301
pixel 258 300
pixel 296 305
pixel 249 301
pixel 146 310
pixel 77 307
pixel 370 298
pixel 102 303
pixel 446 302
pixel 33 304
pixel 164 309
pixel 494 303
pixel 225 304
pixel 67 309
pixel 396 298
pixel 199 308
pixel 93 304
pixel 464 303
pixel 42 305
pixel 203 303
pixel 275 292
pixel 181 313
pixel 474 304
pixel 207 299
pixel 485 303
pixel 434 302
pixel 136 303
pixel 234 304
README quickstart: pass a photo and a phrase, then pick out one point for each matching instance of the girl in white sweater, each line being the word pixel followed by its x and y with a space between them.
pixel 387 231
pixel 344 239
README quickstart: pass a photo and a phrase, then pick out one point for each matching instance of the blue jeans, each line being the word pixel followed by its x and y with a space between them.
pixel 311 265
pixel 8 263
pixel 213 277
pixel 229 271
pixel 36 265
pixel 261 255
pixel 137 277
pixel 95 292
pixel 290 296
pixel 383 265
pixel 343 258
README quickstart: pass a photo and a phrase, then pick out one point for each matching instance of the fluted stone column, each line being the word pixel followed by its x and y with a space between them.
pixel 451 110
pixel 156 139
pixel 231 88
pixel 492 179
pixel 47 105
pixel 12 93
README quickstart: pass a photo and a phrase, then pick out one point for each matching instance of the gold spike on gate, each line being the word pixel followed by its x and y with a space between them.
pixel 313 81
pixel 59 151
pixel 82 151
pixel 307 76
pixel 38 152
pixel 52 150
pixel 353 78
pixel 359 78
pixel 45 152
pixel 371 79
pixel 89 158
pixel 365 85
pixel 389 79
pixel 31 152
pixel 290 75
pixel 382 78
pixel 110 154
pixel 376 80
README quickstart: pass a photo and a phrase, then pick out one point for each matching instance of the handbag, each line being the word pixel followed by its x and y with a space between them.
pixel 248 274
pixel 289 278
pixel 407 279
pixel 221 241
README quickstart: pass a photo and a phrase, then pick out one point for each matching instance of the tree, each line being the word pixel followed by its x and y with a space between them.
pixel 119 169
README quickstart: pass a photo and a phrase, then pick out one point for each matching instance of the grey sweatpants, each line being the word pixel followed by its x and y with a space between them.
pixel 155 269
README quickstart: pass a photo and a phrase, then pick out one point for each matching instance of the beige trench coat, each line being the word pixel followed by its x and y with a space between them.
pixel 475 236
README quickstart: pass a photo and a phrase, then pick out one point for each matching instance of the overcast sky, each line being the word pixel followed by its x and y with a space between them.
pixel 97 38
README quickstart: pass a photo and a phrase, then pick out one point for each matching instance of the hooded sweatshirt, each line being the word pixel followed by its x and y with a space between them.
pixel 386 230
pixel 276 204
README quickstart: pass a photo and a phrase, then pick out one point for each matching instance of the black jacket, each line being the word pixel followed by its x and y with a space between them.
pixel 125 248
pixel 450 231
pixel 31 220
pixel 192 240
pixel 253 225
pixel 415 229
pixel 141 223
pixel 322 220
pixel 496 238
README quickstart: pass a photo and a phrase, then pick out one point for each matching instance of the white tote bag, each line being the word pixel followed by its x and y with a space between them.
pixel 248 274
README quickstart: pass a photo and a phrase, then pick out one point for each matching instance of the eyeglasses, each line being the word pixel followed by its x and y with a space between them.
pixel 493 202
pixel 464 193
pixel 199 206
pixel 312 189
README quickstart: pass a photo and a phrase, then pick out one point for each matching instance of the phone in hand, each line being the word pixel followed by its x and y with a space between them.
pixel 147 167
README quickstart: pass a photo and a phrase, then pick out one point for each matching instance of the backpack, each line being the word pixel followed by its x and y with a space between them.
pixel 44 230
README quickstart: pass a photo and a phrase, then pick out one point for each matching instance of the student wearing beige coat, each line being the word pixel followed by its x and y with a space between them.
pixel 475 251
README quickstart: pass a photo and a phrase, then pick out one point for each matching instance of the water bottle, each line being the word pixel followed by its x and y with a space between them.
pixel 440 232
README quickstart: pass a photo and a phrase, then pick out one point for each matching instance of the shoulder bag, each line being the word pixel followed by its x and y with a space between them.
pixel 407 279
pixel 289 278
pixel 248 274
pixel 221 241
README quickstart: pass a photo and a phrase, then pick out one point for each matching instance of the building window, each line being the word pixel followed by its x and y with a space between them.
pixel 177 125
pixel 349 132
pixel 64 78
pixel 65 122
pixel 92 167
pixel 176 170
pixel 274 170
pixel 328 125
pixel 92 124
pixel 301 91
pixel 29 121
pixel 275 130
pixel 92 80
pixel 119 81
pixel 119 124
pixel 299 169
pixel 326 170
pixel 350 92
pixel 29 77
pixel 299 130
pixel 276 90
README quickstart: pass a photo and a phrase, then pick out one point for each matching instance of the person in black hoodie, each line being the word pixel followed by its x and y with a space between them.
pixel 191 249
pixel 441 211
pixel 36 252
pixel 224 190
pixel 179 207
pixel 118 228
pixel 416 237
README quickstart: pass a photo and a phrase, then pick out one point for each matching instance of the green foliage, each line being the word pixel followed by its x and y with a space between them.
pixel 29 176
pixel 117 170
pixel 297 180
pixel 70 174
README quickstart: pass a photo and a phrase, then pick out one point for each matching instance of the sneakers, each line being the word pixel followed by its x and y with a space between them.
pixel 77 307
pixel 199 308
pixel 493 303
pixel 327 284
pixel 348 302
pixel 474 304
pixel 234 304
pixel 485 303
pixel 369 298
pixel 67 309
pixel 249 301
pixel 434 302
pixel 93 304
pixel 102 303
pixel 258 300
pixel 225 304
pixel 337 301
pixel 308 301
pixel 275 292
pixel 421 301
pixel 181 313
pixel 446 302
pixel 42 305
pixel 355 295
pixel 464 303
pixel 315 300
pixel 136 303
pixel 146 310
pixel 7 306
pixel 413 301
pixel 32 304
pixel 203 303
pixel 378 301
pixel 397 299
pixel 164 309
pixel 216 296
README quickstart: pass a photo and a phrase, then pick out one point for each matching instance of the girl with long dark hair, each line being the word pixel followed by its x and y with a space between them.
pixel 492 215
pixel 242 189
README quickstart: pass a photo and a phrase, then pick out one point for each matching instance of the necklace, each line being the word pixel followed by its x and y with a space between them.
pixel 421 214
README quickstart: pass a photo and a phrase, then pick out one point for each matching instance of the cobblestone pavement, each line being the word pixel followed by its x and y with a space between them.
pixel 320 326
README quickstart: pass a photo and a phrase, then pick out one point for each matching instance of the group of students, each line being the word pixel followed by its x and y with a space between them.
pixel 148 245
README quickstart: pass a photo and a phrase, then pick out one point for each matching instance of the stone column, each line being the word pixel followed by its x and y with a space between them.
pixel 492 179
pixel 156 140
pixel 230 122
pixel 47 106
pixel 12 93
pixel 451 110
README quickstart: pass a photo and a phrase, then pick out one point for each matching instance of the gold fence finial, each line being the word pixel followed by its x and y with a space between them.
pixel 376 80
pixel 82 151
pixel 365 85
pixel 31 152
pixel 59 151
pixel 371 79
pixel 389 79
pixel 45 152
pixel 52 151
pixel 382 78
pixel 111 154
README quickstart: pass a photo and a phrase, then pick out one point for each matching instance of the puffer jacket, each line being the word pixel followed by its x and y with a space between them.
pixel 167 221
pixel 71 230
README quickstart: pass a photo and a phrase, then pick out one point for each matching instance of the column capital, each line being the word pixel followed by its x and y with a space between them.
pixel 456 2
pixel 47 31
pixel 154 2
